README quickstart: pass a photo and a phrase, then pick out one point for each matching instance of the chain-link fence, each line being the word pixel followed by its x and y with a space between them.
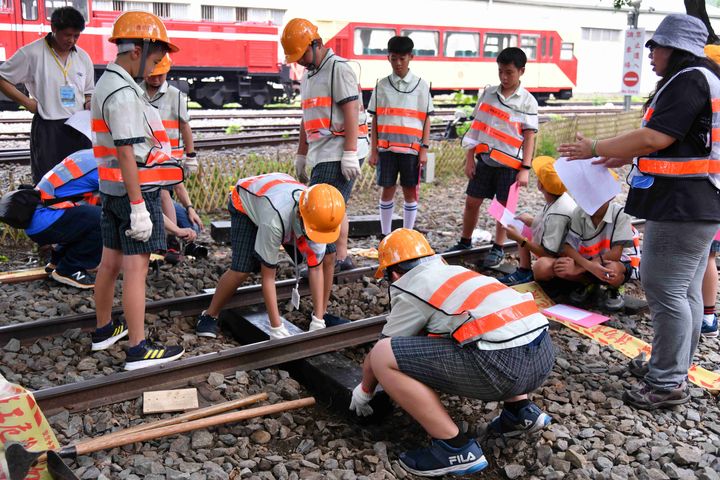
pixel 209 190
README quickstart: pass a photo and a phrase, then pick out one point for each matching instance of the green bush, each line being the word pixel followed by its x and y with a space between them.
pixel 546 146
pixel 233 129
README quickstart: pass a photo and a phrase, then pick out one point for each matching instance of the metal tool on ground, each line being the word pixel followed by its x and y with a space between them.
pixel 27 459
pixel 20 460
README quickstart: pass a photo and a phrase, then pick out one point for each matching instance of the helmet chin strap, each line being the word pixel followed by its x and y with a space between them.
pixel 313 64
pixel 143 58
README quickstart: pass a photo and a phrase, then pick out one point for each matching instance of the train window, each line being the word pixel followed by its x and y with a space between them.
pixel 29 9
pixel 566 51
pixel 529 44
pixel 601 34
pixel 462 44
pixel 6 5
pixel 372 41
pixel 426 42
pixel 497 42
pixel 52 5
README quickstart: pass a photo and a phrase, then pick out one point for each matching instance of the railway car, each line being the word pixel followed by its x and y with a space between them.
pixel 457 58
pixel 221 62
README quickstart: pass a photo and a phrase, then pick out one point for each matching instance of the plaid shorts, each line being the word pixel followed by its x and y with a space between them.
pixel 242 240
pixel 490 375
pixel 392 163
pixel 115 220
pixel 489 182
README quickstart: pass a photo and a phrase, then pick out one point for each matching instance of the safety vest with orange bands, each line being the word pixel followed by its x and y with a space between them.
pixel 321 117
pixel 688 167
pixel 614 229
pixel 156 168
pixel 59 188
pixel 400 115
pixel 471 307
pixel 271 203
pixel 171 104
pixel 497 129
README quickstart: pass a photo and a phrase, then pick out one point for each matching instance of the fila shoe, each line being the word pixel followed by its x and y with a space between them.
pixel 441 459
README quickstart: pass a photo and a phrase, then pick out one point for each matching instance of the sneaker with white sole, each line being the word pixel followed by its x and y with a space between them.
pixel 146 354
pixel 206 326
pixel 529 419
pixel 441 459
pixel 494 258
pixel 80 279
pixel 710 329
pixel 108 335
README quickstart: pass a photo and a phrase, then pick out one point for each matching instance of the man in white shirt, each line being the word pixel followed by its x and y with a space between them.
pixel 60 78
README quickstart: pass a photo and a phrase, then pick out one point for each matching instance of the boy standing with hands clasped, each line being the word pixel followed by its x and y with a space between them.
pixel 499 147
pixel 400 103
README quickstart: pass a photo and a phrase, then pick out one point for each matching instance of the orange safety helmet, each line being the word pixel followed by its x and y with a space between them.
pixel 141 26
pixel 400 246
pixel 322 208
pixel 163 66
pixel 297 36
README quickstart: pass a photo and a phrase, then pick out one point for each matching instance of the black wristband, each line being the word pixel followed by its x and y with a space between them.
pixel 191 154
pixel 425 146
pixel 526 167
pixel 189 206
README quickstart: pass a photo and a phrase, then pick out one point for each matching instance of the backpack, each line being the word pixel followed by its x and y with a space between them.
pixel 18 207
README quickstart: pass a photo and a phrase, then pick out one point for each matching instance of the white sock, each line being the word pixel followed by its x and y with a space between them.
pixel 409 214
pixel 708 319
pixel 386 213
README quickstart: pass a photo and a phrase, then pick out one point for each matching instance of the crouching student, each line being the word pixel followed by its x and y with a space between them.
pixel 267 212
pixel 549 229
pixel 597 250
pixel 133 156
pixel 458 332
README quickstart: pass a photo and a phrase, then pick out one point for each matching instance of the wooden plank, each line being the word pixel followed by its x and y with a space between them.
pixel 162 401
pixel 27 275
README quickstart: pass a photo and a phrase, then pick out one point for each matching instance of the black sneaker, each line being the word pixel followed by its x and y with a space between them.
pixel 194 250
pixel 80 279
pixel 110 334
pixel 49 267
pixel 206 326
pixel 172 256
pixel 147 354
pixel 343 265
pixel 458 247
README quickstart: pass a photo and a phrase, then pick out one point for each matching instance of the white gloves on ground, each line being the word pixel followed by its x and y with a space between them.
pixel 316 324
pixel 140 224
pixel 350 165
pixel 190 165
pixel 300 162
pixel 279 332
pixel 360 402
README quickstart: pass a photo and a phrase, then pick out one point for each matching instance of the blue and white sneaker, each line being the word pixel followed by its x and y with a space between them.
pixel 530 419
pixel 441 459
pixel 517 277
pixel 494 258
pixel 206 326
pixel 710 329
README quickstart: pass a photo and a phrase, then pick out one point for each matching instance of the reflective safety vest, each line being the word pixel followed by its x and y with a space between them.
pixel 168 104
pixel 497 130
pixel 400 116
pixel 58 189
pixel 601 242
pixel 321 118
pixel 158 169
pixel 478 307
pixel 688 167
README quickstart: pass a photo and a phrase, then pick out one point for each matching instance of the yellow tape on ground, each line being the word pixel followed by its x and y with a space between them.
pixel 621 341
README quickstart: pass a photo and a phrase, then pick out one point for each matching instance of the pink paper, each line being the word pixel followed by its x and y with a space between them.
pixel 507 218
pixel 717 236
pixel 513 195
pixel 496 209
pixel 575 315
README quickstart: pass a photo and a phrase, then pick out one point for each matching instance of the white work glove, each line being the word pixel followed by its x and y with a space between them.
pixel 279 332
pixel 350 165
pixel 140 224
pixel 316 324
pixel 360 402
pixel 190 165
pixel 300 162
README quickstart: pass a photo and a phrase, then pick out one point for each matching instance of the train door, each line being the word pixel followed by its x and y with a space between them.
pixel 8 37
pixel 29 22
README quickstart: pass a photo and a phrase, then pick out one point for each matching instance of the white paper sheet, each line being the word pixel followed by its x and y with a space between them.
pixel 574 314
pixel 590 185
pixel 81 121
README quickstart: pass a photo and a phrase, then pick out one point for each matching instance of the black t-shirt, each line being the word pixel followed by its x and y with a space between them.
pixel 682 111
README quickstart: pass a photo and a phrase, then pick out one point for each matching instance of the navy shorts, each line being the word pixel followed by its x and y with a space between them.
pixel 115 220
pixel 490 375
pixel 390 164
pixel 489 182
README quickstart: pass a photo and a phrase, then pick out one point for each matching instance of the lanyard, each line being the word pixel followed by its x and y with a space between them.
pixel 64 69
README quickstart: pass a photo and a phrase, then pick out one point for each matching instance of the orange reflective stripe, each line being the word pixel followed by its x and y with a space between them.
pixel 658 166
pixel 715 105
pixel 316 102
pixel 480 326
pixel 595 249
pixel 396 129
pixel 44 195
pixel 145 176
pixel 55 180
pixel 450 285
pixel 162 136
pixel 497 134
pixel 175 124
pixel 317 124
pixel 482 148
pixel 505 159
pixel 401 112
pixel 100 151
pixel 98 125
pixel 362 130
pixel 648 114
pixel 715 135
pixel 477 297
pixel 271 184
pixel 156 157
pixel 236 201
pixel 174 142
pixel 635 262
pixel 495 112
pixel 72 168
